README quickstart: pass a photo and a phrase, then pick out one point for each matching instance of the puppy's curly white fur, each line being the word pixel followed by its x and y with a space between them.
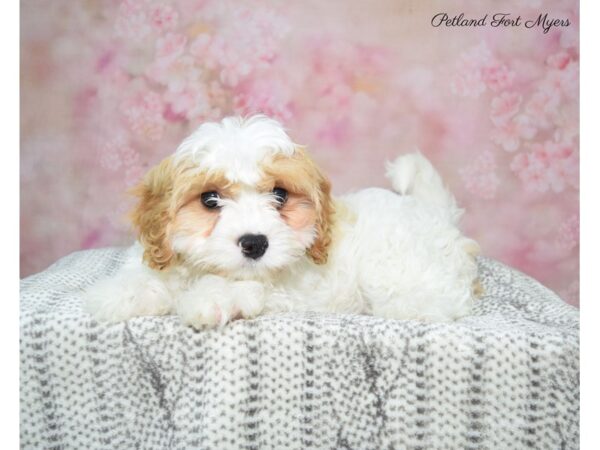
pixel 240 222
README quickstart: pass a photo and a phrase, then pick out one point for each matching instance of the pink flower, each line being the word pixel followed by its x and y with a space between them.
pixel 480 176
pixel 506 136
pixel 504 107
pixel 520 162
pixel 244 41
pixel 543 106
pixel 129 156
pixel 531 171
pixel 335 132
pixel 144 113
pixel 191 102
pixel 132 21
pixel 177 73
pixel 468 84
pixel 509 134
pixel 525 126
pixel 349 76
pixel 569 37
pixel 568 233
pixel 477 57
pixel 565 167
pixel 117 154
pixel 200 45
pixel 479 70
pixel 170 46
pixel 270 97
pixel 550 165
pixel 234 63
pixel 164 17
pixel 568 131
pixel 133 174
pixel 109 155
pixel 558 60
pixel 497 77
pixel 569 81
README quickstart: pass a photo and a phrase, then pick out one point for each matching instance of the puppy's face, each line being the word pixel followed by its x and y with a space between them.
pixel 242 212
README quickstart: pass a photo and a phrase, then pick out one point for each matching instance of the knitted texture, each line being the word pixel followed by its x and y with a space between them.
pixel 505 377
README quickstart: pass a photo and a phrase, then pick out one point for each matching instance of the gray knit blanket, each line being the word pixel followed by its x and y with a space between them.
pixel 506 377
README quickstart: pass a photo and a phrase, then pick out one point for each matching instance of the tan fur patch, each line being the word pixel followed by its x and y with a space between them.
pixel 472 248
pixel 298 212
pixel 153 214
pixel 478 290
pixel 194 218
pixel 310 202
pixel 169 201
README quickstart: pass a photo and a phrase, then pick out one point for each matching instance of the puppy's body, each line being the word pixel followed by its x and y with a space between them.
pixel 391 254
pixel 381 262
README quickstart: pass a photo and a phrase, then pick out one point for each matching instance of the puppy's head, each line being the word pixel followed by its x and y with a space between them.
pixel 238 198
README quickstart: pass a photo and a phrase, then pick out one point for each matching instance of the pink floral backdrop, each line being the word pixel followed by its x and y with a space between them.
pixel 108 88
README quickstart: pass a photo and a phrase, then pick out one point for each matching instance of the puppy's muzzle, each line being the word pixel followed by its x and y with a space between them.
pixel 253 245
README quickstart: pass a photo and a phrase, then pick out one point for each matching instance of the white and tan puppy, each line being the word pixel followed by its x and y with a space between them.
pixel 241 222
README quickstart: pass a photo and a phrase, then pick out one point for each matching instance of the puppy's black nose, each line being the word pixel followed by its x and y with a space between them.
pixel 253 245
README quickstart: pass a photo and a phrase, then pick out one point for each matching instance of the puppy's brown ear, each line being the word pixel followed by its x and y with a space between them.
pixel 324 208
pixel 152 214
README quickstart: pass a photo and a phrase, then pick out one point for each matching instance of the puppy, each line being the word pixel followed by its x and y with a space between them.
pixel 241 222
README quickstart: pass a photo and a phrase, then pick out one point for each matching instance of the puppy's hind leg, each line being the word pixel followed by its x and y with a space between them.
pixel 428 300
pixel 422 281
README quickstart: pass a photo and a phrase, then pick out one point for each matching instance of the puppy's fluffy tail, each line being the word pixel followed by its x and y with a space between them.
pixel 412 174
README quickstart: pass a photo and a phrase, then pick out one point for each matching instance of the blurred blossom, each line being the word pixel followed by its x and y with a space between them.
pixel 271 97
pixel 558 60
pixel 568 233
pixel 170 46
pixel 132 21
pixel 497 76
pixel 480 177
pixel 164 17
pixel 549 165
pixel 510 133
pixel 479 69
pixel 504 107
pixel 143 109
pixel 191 102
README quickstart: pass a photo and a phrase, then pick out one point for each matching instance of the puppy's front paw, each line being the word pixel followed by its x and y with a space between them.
pixel 125 296
pixel 206 303
pixel 200 314
pixel 249 298
pixel 214 301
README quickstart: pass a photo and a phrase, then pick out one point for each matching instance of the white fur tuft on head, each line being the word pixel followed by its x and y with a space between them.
pixel 236 145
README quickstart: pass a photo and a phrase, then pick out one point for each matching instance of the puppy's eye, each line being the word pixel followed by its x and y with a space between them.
pixel 210 199
pixel 280 195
